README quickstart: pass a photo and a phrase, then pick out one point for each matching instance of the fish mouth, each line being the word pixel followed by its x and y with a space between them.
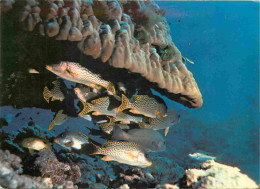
pixel 48 67
pixel 149 163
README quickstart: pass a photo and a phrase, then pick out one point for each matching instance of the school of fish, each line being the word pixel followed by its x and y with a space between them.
pixel 114 111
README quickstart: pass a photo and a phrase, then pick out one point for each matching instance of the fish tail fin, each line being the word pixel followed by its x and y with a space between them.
pixel 142 125
pixel 87 108
pixel 52 124
pixel 97 149
pixel 111 88
pixel 125 104
pixel 119 134
pixel 46 94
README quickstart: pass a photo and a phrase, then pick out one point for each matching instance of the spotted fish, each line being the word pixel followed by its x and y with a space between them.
pixel 74 72
pixel 150 140
pixel 58 119
pixel 109 126
pixel 72 139
pixel 162 122
pixel 143 104
pixel 55 93
pixel 124 152
pixel 98 106
pixel 35 144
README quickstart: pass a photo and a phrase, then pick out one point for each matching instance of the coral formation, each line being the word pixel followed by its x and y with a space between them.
pixel 216 175
pixel 133 35
pixel 59 173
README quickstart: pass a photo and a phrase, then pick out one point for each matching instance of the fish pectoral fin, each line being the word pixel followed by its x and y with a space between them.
pixel 107 158
pixel 72 74
pixel 134 111
pixel 166 131
pixel 52 98
pixel 61 99
pixel 159 114
pixel 96 113
pixel 131 155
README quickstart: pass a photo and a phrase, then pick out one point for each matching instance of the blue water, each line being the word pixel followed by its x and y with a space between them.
pixel 224 44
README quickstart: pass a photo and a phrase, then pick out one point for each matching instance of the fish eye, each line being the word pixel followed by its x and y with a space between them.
pixel 146 155
pixel 164 142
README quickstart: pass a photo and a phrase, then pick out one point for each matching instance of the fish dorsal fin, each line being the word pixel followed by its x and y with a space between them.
pixel 138 97
pixel 99 100
pixel 109 143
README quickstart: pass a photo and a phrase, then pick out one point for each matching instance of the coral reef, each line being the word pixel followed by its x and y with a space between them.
pixel 59 173
pixel 111 32
pixel 10 174
pixel 216 175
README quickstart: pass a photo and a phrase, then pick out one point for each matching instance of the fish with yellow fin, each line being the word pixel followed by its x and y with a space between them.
pixel 55 93
pixel 59 119
pixel 142 104
pixel 84 93
pixel 35 144
pixel 72 139
pixel 98 106
pixel 75 72
pixel 123 152
pixel 109 126
pixel 162 122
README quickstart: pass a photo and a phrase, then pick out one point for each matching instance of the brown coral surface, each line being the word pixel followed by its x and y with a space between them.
pixel 124 34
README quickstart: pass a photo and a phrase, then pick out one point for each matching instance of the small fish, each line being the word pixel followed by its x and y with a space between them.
pixel 84 93
pixel 59 119
pixel 150 140
pixel 109 126
pixel 202 156
pixel 98 106
pixel 33 71
pixel 121 87
pixel 35 144
pixel 74 72
pixel 124 152
pixel 126 118
pixel 55 93
pixel 189 60
pixel 72 139
pixel 142 104
pixel 162 122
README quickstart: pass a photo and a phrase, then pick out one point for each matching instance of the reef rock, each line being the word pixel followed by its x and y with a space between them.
pixel 216 175
pixel 133 35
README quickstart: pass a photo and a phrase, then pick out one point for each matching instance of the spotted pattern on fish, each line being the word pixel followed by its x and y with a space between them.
pixel 142 104
pixel 55 93
pixel 162 122
pixel 99 106
pixel 74 72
